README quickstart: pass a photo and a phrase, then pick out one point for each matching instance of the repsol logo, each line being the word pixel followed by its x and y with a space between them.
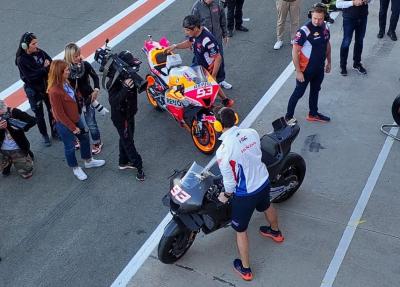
pixel 174 102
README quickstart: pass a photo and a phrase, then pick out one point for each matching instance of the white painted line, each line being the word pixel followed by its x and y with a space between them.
pixel 11 89
pixel 358 211
pixel 144 252
pixel 140 257
pixel 115 41
pixel 17 85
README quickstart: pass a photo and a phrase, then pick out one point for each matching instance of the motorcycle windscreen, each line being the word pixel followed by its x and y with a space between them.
pixel 189 192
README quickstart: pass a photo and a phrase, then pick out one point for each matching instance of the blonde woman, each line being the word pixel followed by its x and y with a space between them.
pixel 68 122
pixel 79 78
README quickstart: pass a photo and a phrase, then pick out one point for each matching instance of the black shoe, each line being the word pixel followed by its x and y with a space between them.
pixel 55 136
pixel 7 169
pixel 360 68
pixel 329 19
pixel 242 28
pixel 380 34
pixel 392 35
pixel 343 71
pixel 46 141
pixel 140 175
pixel 230 33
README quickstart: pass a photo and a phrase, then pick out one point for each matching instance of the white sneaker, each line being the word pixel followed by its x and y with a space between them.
pixel 94 163
pixel 278 45
pixel 79 173
pixel 225 85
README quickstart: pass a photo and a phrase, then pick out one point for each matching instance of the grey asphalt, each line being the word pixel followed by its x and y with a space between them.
pixel 56 231
pixel 339 156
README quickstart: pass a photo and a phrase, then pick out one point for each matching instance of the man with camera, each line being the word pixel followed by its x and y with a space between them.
pixel 14 146
pixel 123 101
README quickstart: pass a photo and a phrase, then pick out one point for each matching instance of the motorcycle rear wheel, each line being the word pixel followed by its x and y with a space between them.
pixel 207 139
pixel 152 101
pixel 172 248
pixel 293 172
pixel 396 110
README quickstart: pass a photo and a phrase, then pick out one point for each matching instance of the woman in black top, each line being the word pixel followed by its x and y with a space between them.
pixel 33 64
pixel 80 74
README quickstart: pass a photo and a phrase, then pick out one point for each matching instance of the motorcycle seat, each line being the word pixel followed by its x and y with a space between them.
pixel 270 149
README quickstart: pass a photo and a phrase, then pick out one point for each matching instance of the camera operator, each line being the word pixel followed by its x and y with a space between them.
pixel 123 102
pixel 80 71
pixel 33 64
pixel 14 146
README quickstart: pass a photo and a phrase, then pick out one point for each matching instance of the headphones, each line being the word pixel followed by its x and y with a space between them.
pixel 26 39
pixel 317 5
pixel 218 126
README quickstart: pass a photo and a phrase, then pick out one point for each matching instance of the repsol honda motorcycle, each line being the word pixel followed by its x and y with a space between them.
pixel 187 93
pixel 193 197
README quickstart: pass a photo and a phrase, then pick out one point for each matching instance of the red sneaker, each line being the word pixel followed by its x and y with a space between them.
pixel 227 102
pixel 276 236
pixel 318 118
pixel 244 273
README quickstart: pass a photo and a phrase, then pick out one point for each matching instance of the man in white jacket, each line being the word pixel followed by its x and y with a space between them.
pixel 245 179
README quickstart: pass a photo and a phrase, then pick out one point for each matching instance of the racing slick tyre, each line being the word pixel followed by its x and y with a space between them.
pixel 174 245
pixel 396 110
pixel 292 175
pixel 152 101
pixel 204 138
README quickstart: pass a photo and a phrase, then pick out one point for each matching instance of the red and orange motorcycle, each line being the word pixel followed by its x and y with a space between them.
pixel 187 93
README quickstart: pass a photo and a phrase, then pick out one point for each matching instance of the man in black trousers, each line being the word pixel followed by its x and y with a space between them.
pixel 234 16
pixel 394 18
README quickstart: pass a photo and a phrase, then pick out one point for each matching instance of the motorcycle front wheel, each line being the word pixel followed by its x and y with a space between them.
pixel 204 138
pixel 292 176
pixel 172 247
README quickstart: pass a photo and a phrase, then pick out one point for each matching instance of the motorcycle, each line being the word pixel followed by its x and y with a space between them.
pixel 187 93
pixel 193 197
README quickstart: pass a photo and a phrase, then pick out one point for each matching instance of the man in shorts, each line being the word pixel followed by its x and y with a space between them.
pixel 246 182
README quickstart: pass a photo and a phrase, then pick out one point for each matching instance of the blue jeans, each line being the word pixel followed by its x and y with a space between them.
pixel 315 79
pixel 36 101
pixel 68 139
pixel 350 26
pixel 90 119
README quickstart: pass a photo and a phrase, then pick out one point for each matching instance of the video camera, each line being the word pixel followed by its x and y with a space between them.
pixel 14 123
pixel 115 68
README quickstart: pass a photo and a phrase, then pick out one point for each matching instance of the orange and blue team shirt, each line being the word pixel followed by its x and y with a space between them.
pixel 313 41
pixel 205 48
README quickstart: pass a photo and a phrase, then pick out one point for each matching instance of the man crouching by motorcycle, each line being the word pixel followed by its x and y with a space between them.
pixel 123 102
pixel 205 48
pixel 246 183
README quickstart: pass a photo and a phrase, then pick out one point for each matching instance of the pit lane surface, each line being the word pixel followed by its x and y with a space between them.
pixel 57 231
